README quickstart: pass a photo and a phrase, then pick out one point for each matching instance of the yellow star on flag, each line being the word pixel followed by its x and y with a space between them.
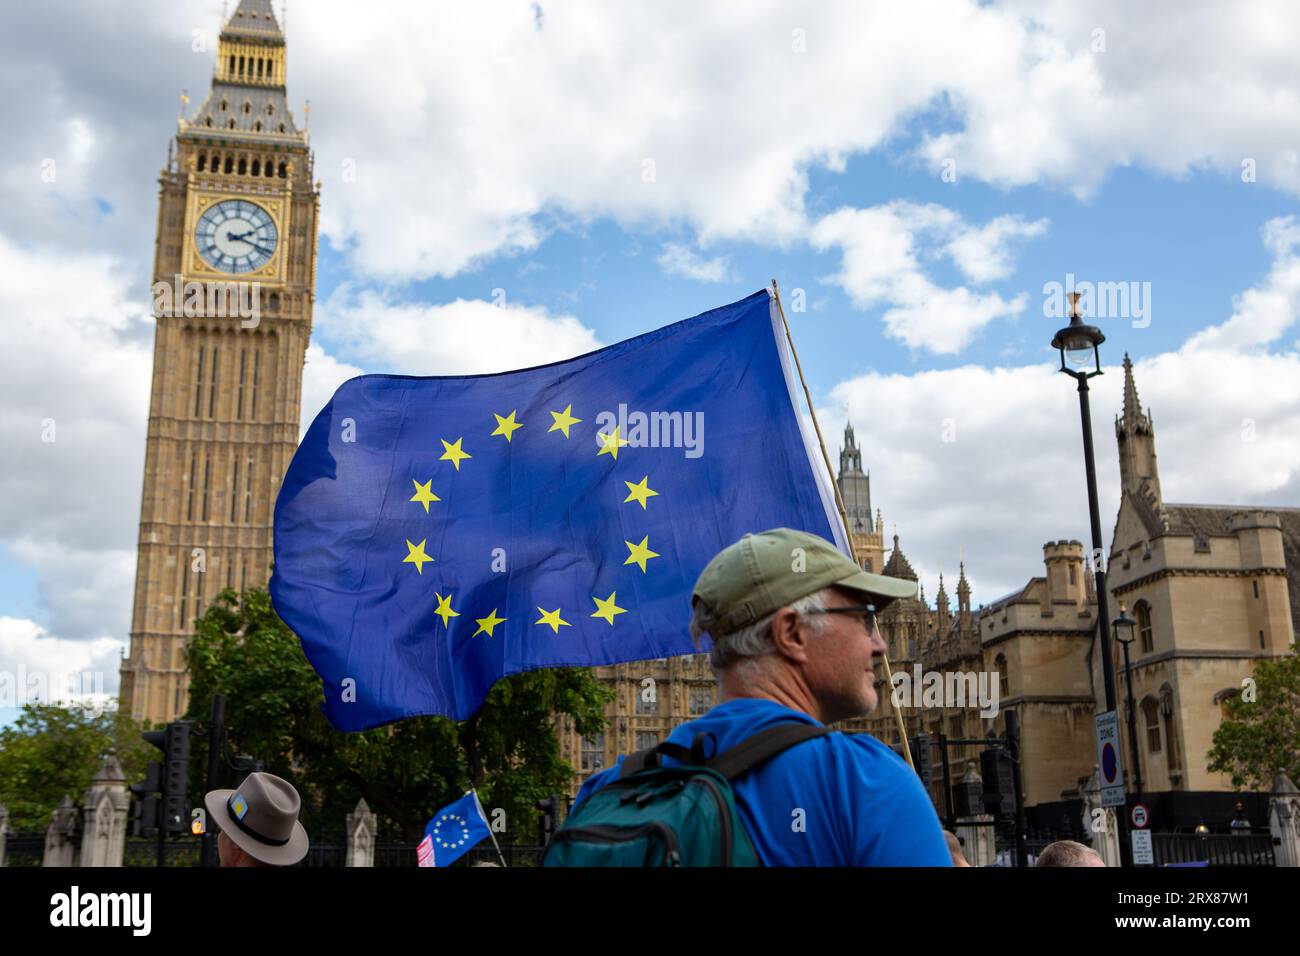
pixel 453 452
pixel 415 555
pixel 607 609
pixel 563 420
pixel 423 495
pixel 487 623
pixel 639 492
pixel 506 426
pixel 444 610
pixel 611 443
pixel 640 553
pixel 553 619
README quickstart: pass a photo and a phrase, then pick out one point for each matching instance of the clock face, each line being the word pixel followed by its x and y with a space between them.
pixel 236 236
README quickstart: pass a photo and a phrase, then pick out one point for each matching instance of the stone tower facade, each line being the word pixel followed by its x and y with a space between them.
pixel 234 279
pixel 855 489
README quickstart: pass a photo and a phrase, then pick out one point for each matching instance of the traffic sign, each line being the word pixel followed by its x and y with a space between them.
pixel 1140 815
pixel 1109 761
pixel 1143 855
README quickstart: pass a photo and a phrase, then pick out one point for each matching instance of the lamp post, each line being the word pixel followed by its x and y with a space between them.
pixel 1120 626
pixel 1081 360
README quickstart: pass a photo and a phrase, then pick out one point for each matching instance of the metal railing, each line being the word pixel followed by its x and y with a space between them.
pixel 1213 849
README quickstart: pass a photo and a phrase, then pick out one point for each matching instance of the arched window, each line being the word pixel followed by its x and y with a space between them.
pixel 260 61
pixel 1173 760
pixel 1151 720
pixel 270 169
pixel 241 66
pixel 282 171
pixel 1004 681
pixel 248 107
pixel 231 70
pixel 203 162
pixel 230 125
pixel 281 127
pixel 208 122
pixel 1142 611
pixel 243 165
pixel 230 163
pixel 224 105
pixel 270 109
pixel 258 127
pixel 257 167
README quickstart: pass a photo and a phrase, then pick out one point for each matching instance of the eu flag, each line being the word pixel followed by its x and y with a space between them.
pixel 455 829
pixel 433 535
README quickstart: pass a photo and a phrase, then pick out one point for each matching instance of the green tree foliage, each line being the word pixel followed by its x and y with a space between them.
pixel 54 750
pixel 405 771
pixel 1259 737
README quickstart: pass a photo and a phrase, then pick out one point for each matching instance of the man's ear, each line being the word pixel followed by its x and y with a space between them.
pixel 788 638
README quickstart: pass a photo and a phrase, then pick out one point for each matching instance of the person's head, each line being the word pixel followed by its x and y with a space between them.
pixel 790 616
pixel 229 853
pixel 258 822
pixel 1068 853
pixel 954 849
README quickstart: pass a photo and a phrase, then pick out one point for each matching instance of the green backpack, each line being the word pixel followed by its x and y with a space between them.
pixel 653 815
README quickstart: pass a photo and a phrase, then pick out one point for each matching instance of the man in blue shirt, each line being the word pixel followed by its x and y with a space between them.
pixel 793 625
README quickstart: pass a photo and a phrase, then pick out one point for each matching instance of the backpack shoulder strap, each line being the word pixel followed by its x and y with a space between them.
pixel 762 746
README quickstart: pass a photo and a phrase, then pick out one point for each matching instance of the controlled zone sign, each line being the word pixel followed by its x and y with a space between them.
pixel 1109 760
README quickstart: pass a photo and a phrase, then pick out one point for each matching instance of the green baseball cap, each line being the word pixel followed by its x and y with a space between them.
pixel 762 572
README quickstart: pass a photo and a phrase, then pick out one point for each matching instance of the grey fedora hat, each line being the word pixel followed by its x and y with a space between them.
pixel 261 817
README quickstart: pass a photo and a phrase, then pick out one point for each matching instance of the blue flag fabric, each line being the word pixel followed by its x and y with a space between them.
pixel 456 829
pixel 434 534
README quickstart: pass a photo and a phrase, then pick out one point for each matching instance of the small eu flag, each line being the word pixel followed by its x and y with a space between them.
pixel 455 830
pixel 433 535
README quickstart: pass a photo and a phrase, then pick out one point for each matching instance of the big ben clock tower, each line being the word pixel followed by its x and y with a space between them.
pixel 234 278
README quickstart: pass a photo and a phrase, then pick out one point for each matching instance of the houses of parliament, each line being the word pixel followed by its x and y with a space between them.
pixel 1213 590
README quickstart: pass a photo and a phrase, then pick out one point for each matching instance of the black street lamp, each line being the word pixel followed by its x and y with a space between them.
pixel 1124 625
pixel 1081 360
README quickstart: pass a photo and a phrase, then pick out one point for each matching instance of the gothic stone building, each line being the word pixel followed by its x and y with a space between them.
pixel 1213 589
pixel 236 205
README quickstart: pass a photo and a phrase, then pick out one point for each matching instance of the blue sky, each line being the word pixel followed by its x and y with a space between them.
pixel 1101 139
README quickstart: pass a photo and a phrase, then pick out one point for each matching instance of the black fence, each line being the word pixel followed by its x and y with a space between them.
pixel 25 848
pixel 1213 849
pixel 28 849
pixel 332 851
pixel 143 851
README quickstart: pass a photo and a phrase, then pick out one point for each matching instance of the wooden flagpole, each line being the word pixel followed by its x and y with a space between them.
pixel 839 503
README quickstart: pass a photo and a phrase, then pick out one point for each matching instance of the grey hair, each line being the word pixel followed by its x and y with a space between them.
pixel 1066 853
pixel 755 640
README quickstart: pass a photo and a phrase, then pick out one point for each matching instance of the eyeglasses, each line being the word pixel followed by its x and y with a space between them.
pixel 865 612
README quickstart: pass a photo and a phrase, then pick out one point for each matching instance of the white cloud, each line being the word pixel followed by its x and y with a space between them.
pixel 467 336
pixel 466 142
pixel 321 376
pixel 880 265
pixel 1226 415
pixel 1261 315
pixel 984 254
pixel 681 260
pixel 74 399
pixel 36 666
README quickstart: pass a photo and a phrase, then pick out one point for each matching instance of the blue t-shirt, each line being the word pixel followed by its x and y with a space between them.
pixel 838 800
